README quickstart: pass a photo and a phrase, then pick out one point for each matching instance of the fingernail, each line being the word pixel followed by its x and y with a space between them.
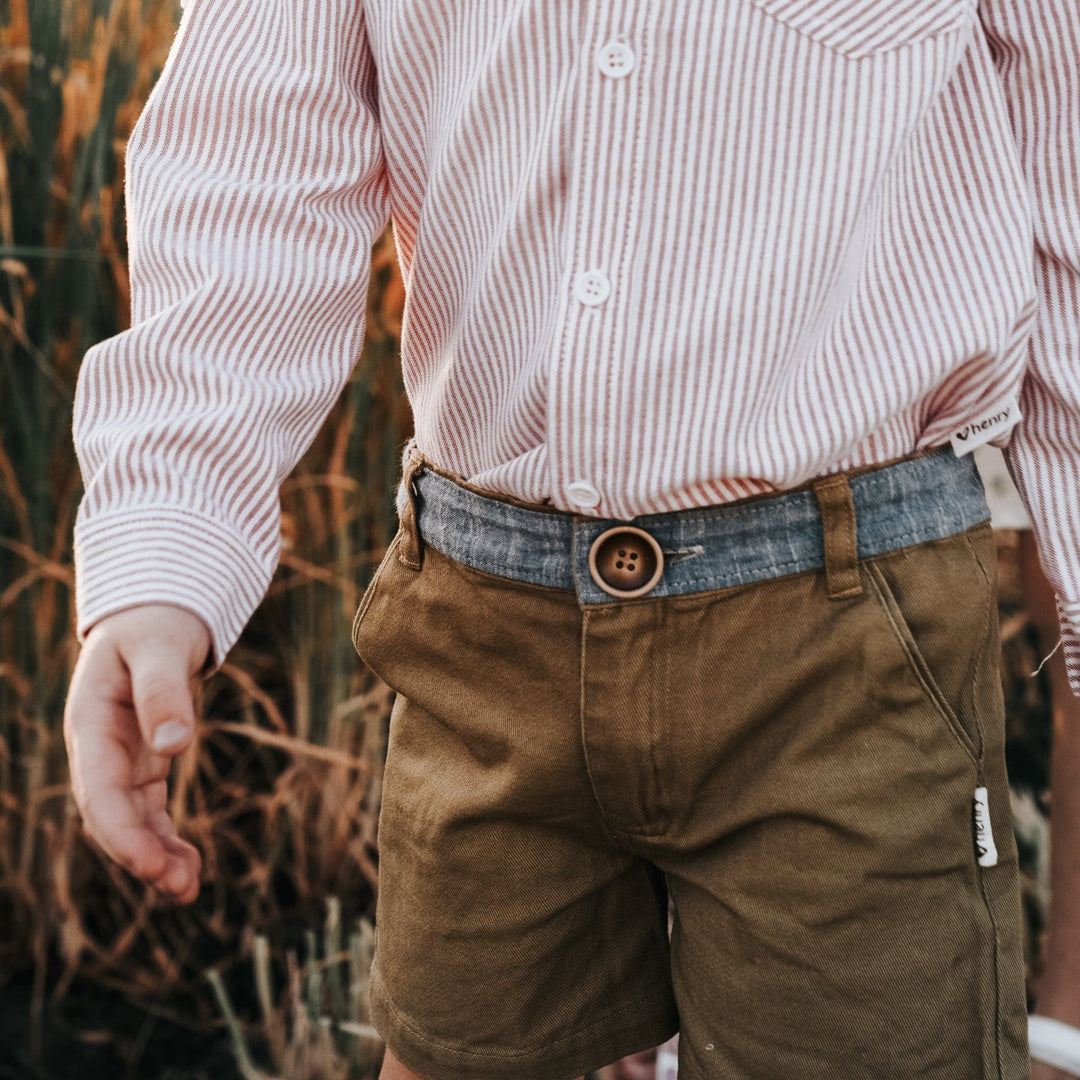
pixel 171 733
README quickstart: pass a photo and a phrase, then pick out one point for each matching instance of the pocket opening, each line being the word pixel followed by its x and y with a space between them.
pixel 969 738
pixel 372 585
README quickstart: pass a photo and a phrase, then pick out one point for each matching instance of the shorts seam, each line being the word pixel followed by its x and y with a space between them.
pixel 991 617
pixel 373 585
pixel 996 941
pixel 576 1034
pixel 609 825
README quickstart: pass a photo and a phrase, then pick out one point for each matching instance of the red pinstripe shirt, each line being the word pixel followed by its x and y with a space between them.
pixel 656 255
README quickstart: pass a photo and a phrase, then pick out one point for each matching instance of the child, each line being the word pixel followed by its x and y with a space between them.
pixel 693 589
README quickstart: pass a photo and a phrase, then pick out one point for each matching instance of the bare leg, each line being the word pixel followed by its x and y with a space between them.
pixel 392 1069
pixel 636 1067
pixel 1058 990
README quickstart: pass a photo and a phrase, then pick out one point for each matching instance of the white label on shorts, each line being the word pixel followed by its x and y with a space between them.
pixel 984 835
pixel 989 425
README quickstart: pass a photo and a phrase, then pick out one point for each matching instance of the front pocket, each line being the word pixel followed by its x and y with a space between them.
pixel 940 605
pixel 369 592
pixel 861 28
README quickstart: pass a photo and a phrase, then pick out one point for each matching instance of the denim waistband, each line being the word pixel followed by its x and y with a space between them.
pixel 908 501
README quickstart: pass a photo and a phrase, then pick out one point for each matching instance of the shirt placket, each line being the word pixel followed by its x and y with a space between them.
pixel 601 205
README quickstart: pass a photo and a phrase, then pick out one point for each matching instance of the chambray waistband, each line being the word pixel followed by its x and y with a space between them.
pixel 905 502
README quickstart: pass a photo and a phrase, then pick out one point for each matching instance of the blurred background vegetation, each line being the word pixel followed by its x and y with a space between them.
pixel 265 973
pixel 281 792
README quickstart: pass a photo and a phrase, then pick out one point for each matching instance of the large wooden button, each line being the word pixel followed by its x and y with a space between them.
pixel 626 561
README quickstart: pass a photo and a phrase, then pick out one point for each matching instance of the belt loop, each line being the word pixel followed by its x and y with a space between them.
pixel 411 548
pixel 837 508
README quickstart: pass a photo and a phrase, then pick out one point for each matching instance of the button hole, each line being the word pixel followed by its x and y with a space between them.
pixel 684 553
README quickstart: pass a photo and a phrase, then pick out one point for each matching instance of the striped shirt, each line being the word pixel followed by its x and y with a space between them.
pixel 656 256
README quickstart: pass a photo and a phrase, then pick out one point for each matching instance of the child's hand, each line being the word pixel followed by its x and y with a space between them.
pixel 133 683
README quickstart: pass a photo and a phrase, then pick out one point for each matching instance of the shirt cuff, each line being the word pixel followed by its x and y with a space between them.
pixel 167 555
pixel 1069 618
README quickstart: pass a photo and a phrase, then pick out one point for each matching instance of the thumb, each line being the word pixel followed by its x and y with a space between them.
pixel 163 703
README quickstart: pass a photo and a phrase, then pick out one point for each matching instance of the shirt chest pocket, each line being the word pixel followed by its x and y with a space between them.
pixel 862 28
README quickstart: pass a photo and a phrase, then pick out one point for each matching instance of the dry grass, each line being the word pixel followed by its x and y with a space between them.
pixel 280 790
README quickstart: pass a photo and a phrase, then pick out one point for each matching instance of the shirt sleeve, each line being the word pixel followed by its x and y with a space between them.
pixel 255 188
pixel 1036 45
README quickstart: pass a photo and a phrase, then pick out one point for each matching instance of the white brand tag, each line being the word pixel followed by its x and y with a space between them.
pixel 987 426
pixel 984 835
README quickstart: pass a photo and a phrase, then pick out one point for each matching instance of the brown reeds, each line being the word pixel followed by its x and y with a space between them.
pixel 321 1030
pixel 280 789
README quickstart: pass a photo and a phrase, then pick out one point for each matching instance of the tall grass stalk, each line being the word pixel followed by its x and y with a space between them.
pixel 280 790
pixel 317 1032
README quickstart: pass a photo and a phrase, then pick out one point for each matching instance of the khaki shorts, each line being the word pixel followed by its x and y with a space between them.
pixel 785 735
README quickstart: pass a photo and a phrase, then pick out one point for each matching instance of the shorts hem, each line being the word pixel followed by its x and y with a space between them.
pixel 638 1025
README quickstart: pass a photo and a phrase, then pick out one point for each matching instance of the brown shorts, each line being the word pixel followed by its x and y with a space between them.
pixel 796 758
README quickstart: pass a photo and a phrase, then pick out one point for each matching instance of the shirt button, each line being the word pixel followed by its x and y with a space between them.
pixel 592 287
pixel 615 59
pixel 582 493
